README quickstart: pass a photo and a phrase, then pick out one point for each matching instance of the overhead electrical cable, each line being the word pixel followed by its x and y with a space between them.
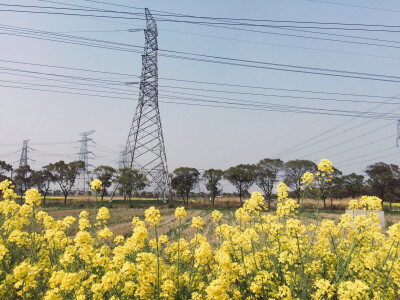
pixel 232 21
pixel 356 6
pixel 370 160
pixel 306 31
pixel 365 155
pixel 363 145
pixel 348 140
pixel 237 106
pixel 213 25
pixel 200 82
pixel 130 93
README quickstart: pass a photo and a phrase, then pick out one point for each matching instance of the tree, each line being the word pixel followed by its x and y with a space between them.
pixel 105 174
pixel 65 174
pixel 383 179
pixel 42 180
pixel 267 175
pixel 130 181
pixel 184 180
pixel 4 169
pixel 242 177
pixel 353 184
pixel 294 169
pixel 213 177
pixel 332 187
pixel 22 179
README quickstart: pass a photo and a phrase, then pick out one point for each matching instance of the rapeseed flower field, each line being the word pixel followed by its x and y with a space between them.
pixel 260 256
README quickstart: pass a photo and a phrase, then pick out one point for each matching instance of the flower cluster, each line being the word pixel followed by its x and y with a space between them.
pixel 180 213
pixel 282 191
pixel 32 197
pixel 366 203
pixel 307 179
pixel 258 255
pixel 325 166
pixel 96 185
pixel 153 216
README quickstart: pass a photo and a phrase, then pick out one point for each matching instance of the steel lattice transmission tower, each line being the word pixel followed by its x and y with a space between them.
pixel 145 150
pixel 83 178
pixel 23 161
pixel 398 133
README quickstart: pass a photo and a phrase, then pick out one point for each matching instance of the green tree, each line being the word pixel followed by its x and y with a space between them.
pixel 383 179
pixel 42 180
pixel 4 169
pixel 184 180
pixel 331 188
pixel 22 179
pixel 65 174
pixel 294 170
pixel 267 175
pixel 242 177
pixel 106 175
pixel 212 178
pixel 130 181
pixel 353 184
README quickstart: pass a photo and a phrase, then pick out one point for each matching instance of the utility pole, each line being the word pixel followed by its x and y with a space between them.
pixel 145 150
pixel 83 178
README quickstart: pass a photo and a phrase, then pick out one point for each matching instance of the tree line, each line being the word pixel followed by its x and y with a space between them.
pixel 383 179
pixel 65 175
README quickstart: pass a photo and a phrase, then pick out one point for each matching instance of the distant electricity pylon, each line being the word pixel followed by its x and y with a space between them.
pixel 23 161
pixel 145 150
pixel 82 183
pixel 398 133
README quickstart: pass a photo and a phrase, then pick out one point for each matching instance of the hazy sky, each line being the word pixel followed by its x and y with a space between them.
pixel 204 137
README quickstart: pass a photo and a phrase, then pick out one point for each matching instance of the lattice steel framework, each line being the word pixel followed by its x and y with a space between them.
pixel 82 182
pixel 145 150
pixel 398 133
pixel 23 161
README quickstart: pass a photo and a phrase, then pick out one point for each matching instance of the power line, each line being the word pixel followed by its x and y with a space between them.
pixel 238 101
pixel 364 145
pixel 369 154
pixel 213 25
pixel 282 45
pixel 349 140
pixel 370 160
pixel 250 63
pixel 244 107
pixel 200 82
pixel 307 31
pixel 353 5
pixel 307 144
pixel 233 21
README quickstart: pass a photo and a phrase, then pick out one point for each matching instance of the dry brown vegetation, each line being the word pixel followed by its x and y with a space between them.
pixel 122 214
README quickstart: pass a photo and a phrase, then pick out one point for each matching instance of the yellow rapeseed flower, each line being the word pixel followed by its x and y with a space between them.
pixel 282 191
pixel 180 213
pixel 32 197
pixel 216 216
pixel 197 222
pixel 325 166
pixel 96 185
pixel 153 216
pixel 103 214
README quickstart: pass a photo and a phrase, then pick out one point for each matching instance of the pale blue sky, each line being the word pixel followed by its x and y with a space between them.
pixel 204 137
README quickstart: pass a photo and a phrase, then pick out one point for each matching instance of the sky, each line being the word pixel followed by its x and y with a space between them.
pixel 201 136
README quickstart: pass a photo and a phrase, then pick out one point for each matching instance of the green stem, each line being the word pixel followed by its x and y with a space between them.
pixel 179 258
pixel 158 263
